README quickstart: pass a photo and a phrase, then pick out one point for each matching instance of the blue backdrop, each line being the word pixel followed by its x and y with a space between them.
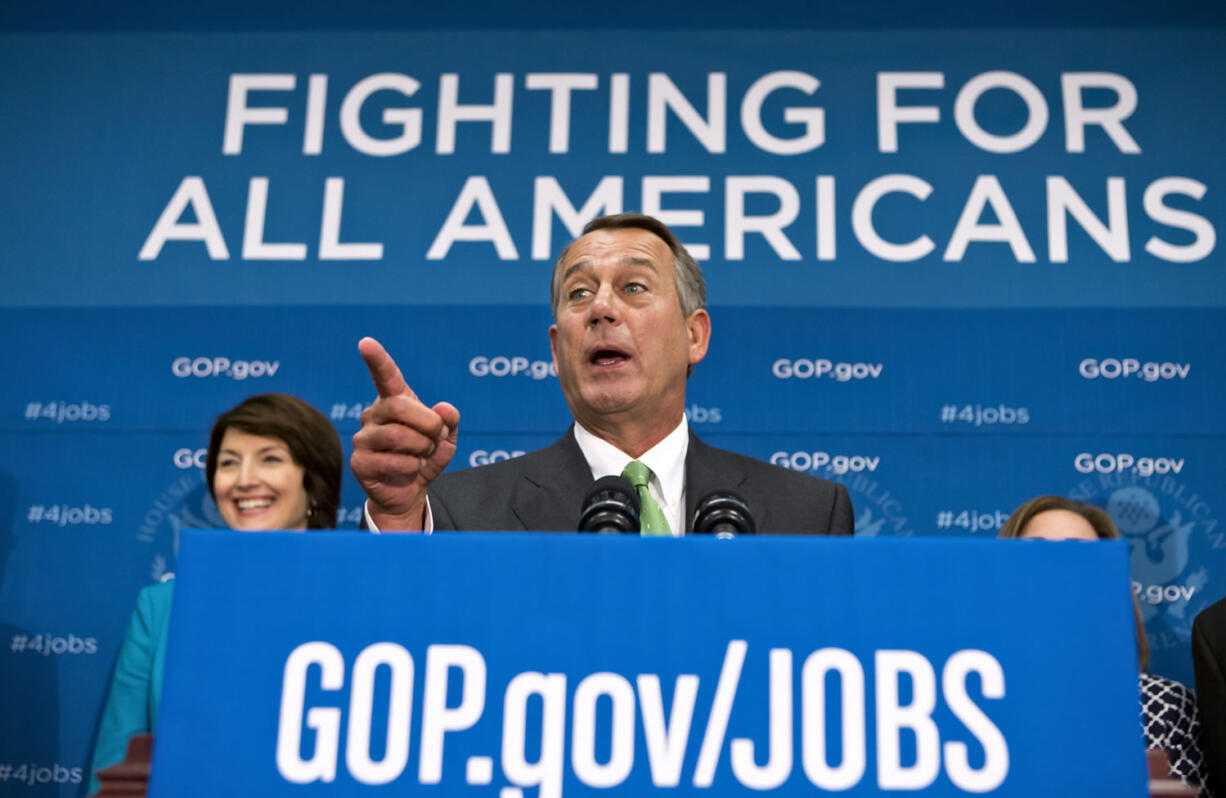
pixel 954 262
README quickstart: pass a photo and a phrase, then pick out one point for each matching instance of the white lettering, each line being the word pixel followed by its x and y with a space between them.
pixel 409 119
pixel 654 187
pixel 1160 212
pixel 191 191
pixel 815 750
pixel 583 741
pixel 737 223
pixel 825 217
pixel 560 85
pixel 450 112
pixel 995 749
pixel 1110 118
pixel 238 114
pixel 813 119
pixel 436 718
pixel 361 709
pixel 889 114
pixel 666 743
pixel 330 246
pixel 663 95
pixel 1112 238
pixel 987 191
pixel 476 193
pixel 313 130
pixel 862 217
pixel 546 772
pixel 1036 108
pixel 779 760
pixel 254 246
pixel 324 721
pixel 619 112
pixel 549 198
pixel 892 718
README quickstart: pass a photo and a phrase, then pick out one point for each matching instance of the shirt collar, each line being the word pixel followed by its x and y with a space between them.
pixel 666 459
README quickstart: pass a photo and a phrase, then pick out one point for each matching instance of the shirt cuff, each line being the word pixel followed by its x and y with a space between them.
pixel 373 528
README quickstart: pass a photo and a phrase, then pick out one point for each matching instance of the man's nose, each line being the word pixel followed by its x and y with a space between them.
pixel 603 307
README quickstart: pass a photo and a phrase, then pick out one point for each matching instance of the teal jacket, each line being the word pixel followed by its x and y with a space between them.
pixel 136 686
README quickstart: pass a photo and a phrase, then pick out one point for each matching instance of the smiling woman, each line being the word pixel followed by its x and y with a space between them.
pixel 274 463
pixel 257 484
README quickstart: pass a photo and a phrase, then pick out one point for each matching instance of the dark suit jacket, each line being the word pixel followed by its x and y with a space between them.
pixel 1209 662
pixel 543 491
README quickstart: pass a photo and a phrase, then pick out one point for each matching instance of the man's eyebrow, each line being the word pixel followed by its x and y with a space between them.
pixel 578 265
pixel 629 260
pixel 632 260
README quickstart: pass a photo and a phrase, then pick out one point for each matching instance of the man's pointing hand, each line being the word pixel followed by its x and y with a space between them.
pixel 402 445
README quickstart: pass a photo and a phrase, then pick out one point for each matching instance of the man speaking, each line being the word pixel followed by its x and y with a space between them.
pixel 630 324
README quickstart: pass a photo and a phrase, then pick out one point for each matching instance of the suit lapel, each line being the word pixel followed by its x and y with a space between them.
pixel 548 495
pixel 706 471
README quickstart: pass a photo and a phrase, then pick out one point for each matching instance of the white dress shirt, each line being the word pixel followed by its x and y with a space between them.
pixel 666 460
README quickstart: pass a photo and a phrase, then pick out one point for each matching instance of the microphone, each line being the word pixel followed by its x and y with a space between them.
pixel 611 505
pixel 723 514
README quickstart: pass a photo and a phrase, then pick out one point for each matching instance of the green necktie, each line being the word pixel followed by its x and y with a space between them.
pixel 651 517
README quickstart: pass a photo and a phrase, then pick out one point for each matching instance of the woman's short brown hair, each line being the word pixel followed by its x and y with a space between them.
pixel 1096 517
pixel 312 442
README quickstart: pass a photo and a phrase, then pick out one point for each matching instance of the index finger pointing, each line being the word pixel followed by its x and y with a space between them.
pixel 383 370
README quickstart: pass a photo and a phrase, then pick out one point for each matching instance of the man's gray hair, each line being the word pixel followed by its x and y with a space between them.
pixel 691 287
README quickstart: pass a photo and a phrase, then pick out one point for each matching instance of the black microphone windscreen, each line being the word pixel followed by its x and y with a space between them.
pixel 723 512
pixel 610 505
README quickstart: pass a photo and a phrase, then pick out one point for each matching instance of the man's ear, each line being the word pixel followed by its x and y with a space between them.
pixel 698 327
pixel 553 345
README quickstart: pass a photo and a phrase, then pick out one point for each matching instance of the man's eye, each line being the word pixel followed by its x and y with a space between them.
pixel 635 288
pixel 578 293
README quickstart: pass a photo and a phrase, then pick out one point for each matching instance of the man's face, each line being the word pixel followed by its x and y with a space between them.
pixel 621 345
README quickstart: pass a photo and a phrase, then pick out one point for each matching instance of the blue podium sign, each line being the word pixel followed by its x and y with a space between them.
pixel 513 665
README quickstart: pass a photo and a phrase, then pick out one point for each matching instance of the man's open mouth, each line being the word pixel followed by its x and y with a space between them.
pixel 608 357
